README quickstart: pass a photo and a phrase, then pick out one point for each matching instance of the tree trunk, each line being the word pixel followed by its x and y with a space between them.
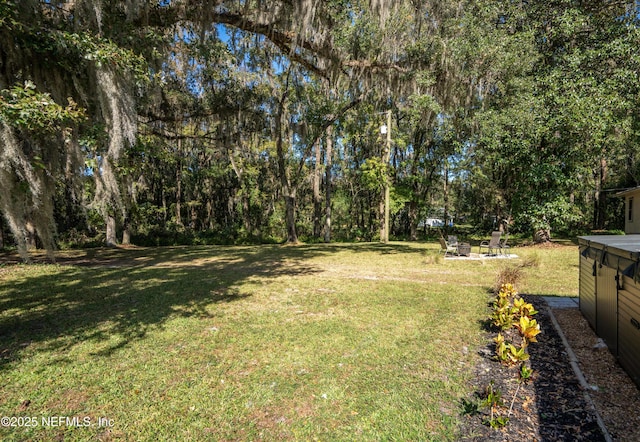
pixel 126 232
pixel 381 219
pixel 30 228
pixel 327 185
pixel 193 224
pixel 163 196
pixel 600 200
pixel 375 218
pixel 111 240
pixel 317 196
pixel 179 194
pixel 288 191
pixel 384 205
pixel 445 195
pixel 209 222
pixel 542 232
pixel 416 196
pixel 413 225
pixel 542 236
pixel 290 213
pixel 246 216
pixel 130 203
pixel 290 218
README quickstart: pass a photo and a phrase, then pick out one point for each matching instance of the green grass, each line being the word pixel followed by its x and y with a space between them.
pixel 327 342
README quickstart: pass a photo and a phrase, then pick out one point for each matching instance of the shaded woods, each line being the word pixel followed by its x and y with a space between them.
pixel 216 121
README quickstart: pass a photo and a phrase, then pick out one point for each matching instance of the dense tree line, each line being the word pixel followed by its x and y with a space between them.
pixel 210 120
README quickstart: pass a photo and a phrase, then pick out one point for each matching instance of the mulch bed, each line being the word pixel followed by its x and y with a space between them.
pixel 551 407
pixel 612 390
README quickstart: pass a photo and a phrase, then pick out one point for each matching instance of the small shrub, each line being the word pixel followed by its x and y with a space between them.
pixel 503 307
pixel 522 308
pixel 493 401
pixel 526 374
pixel 514 273
pixel 502 315
pixel 470 408
pixel 529 329
pixel 432 257
pixel 508 354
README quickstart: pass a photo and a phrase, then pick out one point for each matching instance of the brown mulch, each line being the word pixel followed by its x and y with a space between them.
pixel 554 406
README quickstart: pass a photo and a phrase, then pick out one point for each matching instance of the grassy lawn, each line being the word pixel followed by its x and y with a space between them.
pixel 327 342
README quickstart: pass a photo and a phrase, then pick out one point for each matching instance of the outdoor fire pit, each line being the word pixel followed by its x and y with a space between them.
pixel 464 249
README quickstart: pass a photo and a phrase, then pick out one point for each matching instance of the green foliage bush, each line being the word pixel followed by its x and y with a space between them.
pixel 510 311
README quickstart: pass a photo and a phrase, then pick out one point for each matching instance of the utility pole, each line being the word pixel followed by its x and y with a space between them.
pixel 384 231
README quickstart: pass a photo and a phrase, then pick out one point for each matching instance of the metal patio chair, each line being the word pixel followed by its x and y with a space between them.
pixel 505 249
pixel 447 248
pixel 493 245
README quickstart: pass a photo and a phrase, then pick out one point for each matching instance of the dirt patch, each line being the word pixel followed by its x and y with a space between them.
pixel 67 402
pixel 544 245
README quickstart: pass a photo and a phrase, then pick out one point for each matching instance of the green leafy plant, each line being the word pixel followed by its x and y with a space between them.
pixel 470 408
pixel 517 354
pixel 493 396
pixel 498 422
pixel 23 106
pixel 511 310
pixel 493 401
pixel 523 308
pixel 502 315
pixel 508 290
pixel 509 354
pixel 529 329
pixel 501 347
pixel 525 374
pixel 508 308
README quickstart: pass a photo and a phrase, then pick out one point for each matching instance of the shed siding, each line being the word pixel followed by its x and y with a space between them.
pixel 588 290
pixel 607 307
pixel 632 214
pixel 629 328
pixel 614 306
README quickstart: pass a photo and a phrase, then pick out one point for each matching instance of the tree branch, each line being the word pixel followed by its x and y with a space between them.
pixel 285 40
pixel 325 125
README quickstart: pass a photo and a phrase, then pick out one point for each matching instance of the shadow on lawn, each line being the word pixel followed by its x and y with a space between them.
pixel 117 295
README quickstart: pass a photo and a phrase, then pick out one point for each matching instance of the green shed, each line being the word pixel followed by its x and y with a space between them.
pixel 609 289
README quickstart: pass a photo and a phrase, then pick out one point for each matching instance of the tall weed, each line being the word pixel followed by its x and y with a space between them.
pixel 514 273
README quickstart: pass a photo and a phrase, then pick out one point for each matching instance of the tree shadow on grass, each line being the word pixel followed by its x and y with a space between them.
pixel 115 298
pixel 193 255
